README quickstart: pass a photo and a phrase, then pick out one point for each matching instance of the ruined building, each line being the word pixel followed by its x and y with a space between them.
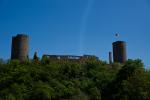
pixel 70 57
pixel 119 52
pixel 20 47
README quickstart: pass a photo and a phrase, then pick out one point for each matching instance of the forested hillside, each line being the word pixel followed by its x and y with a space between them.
pixel 70 80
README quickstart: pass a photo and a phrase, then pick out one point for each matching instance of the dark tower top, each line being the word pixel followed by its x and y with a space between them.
pixel 20 47
pixel 119 52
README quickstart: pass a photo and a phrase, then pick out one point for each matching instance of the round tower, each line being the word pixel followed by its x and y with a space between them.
pixel 119 52
pixel 20 47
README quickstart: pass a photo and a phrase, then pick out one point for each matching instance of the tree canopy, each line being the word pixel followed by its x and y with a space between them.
pixel 70 80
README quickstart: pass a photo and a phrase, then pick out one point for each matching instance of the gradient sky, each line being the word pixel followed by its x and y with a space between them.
pixel 77 27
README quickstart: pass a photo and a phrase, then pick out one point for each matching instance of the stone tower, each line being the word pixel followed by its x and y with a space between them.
pixel 20 47
pixel 119 52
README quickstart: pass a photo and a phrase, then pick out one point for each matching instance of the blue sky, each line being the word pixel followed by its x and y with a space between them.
pixel 77 27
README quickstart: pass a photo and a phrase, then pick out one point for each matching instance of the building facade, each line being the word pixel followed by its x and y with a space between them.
pixel 70 57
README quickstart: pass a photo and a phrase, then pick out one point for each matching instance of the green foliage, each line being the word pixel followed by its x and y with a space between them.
pixel 71 80
pixel 131 83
